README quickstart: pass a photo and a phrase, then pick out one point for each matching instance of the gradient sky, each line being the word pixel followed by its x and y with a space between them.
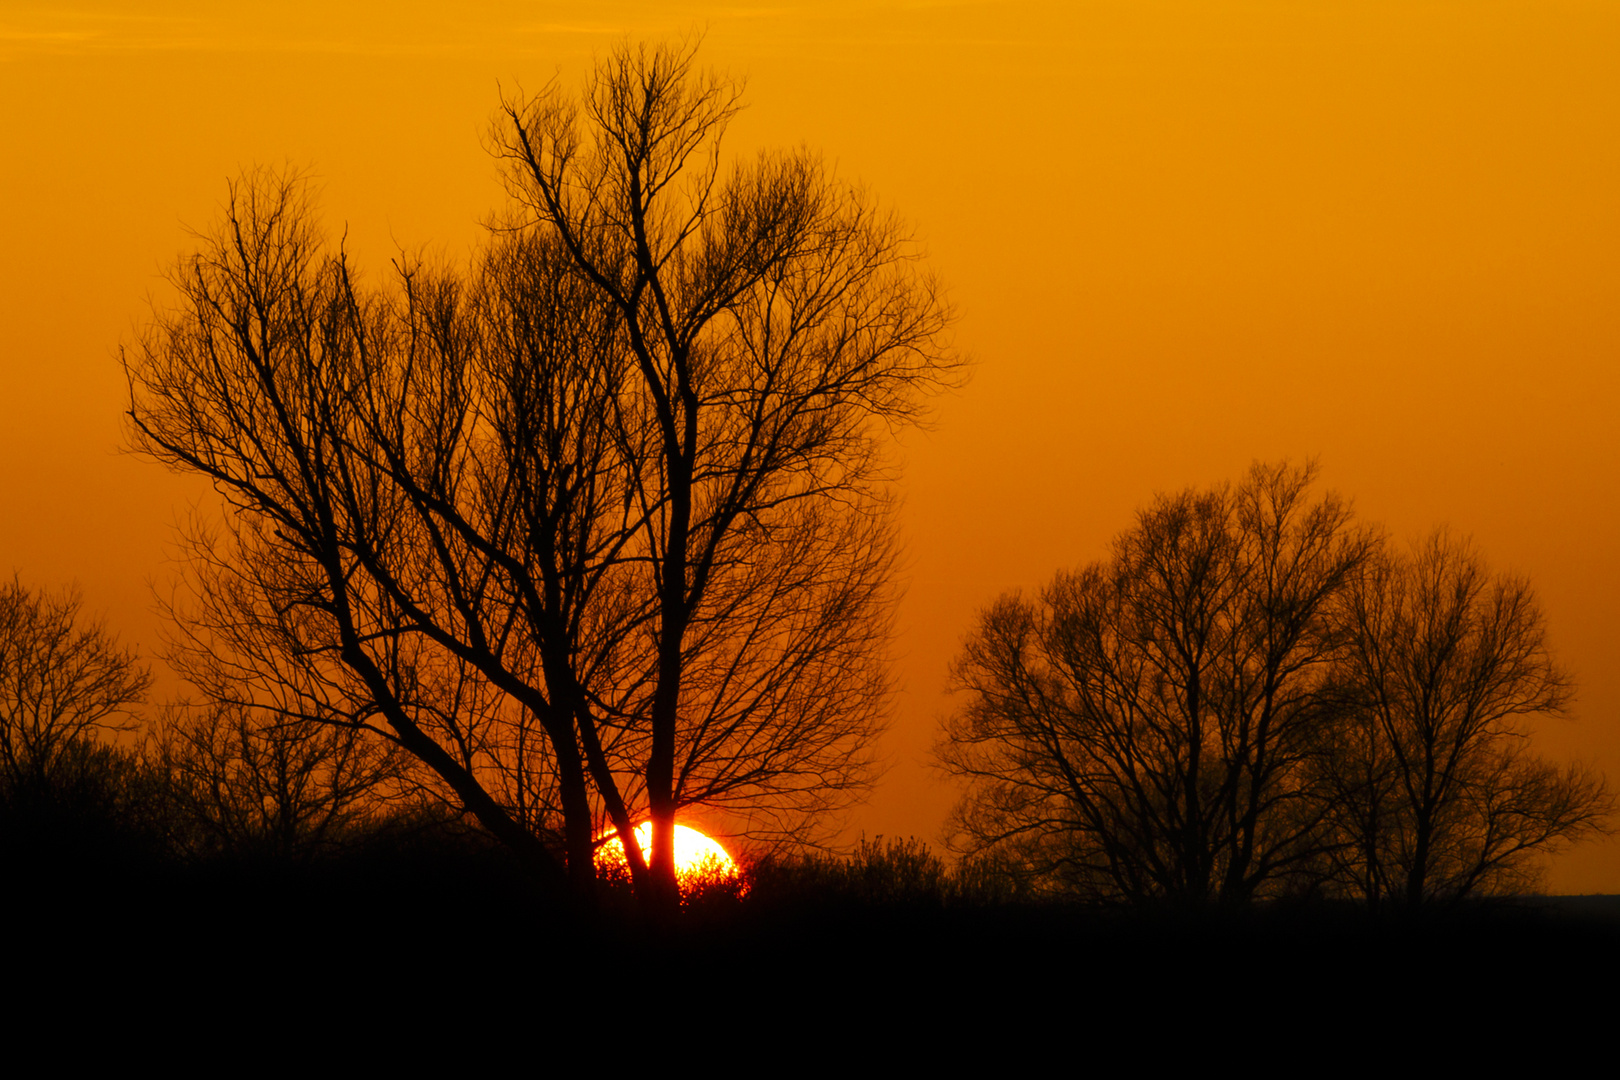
pixel 1181 236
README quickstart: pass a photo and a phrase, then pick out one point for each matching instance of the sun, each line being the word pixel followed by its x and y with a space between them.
pixel 698 858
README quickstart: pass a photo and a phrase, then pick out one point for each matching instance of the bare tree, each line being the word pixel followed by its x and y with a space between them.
pixel 1439 795
pixel 620 486
pixel 1147 730
pixel 71 798
pixel 62 681
pixel 770 316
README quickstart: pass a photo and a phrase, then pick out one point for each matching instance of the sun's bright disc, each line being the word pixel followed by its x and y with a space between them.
pixel 696 856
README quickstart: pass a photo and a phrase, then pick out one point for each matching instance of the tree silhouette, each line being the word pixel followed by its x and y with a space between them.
pixel 275 752
pixel 61 682
pixel 1147 730
pixel 769 317
pixel 1438 794
pixel 68 797
pixel 597 531
pixel 249 783
pixel 1253 695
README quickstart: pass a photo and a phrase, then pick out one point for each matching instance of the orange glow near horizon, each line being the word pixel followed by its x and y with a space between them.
pixel 1181 237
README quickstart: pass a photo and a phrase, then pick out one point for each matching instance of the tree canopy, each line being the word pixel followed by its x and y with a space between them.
pixel 596 529
pixel 1251 696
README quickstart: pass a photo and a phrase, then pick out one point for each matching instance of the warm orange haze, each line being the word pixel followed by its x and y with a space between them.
pixel 1178 237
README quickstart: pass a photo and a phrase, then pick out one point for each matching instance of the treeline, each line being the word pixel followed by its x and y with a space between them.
pixel 595 531
pixel 89 788
pixel 92 791
pixel 1254 698
pixel 1257 696
pixel 84 782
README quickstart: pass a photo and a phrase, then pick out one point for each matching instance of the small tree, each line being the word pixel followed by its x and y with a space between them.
pixel 1439 796
pixel 277 753
pixel 62 681
pixel 69 798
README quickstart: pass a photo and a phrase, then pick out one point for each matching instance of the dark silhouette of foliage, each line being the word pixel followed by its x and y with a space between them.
pixel 71 803
pixel 61 683
pixel 879 873
pixel 99 811
pixel 252 784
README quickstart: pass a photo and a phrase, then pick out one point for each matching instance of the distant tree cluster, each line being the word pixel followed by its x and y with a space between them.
pixel 82 781
pixel 1254 695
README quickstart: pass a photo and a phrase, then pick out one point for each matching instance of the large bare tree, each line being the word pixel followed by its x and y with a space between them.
pixel 622 479
pixel 770 317
pixel 1148 730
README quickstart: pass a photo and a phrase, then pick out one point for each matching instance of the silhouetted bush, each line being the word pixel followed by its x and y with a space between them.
pixel 877 874
pixel 97 810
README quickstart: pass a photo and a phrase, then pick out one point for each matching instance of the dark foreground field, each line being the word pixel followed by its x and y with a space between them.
pixel 445 944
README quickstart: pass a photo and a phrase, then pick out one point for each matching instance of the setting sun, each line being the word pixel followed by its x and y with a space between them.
pixel 696 855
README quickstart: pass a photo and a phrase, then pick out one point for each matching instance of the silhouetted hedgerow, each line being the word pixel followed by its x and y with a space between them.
pixel 881 874
pixel 97 811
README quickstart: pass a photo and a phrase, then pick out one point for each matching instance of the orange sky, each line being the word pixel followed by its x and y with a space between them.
pixel 1181 235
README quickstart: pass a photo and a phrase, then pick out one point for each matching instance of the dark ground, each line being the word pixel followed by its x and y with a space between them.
pixel 436 942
